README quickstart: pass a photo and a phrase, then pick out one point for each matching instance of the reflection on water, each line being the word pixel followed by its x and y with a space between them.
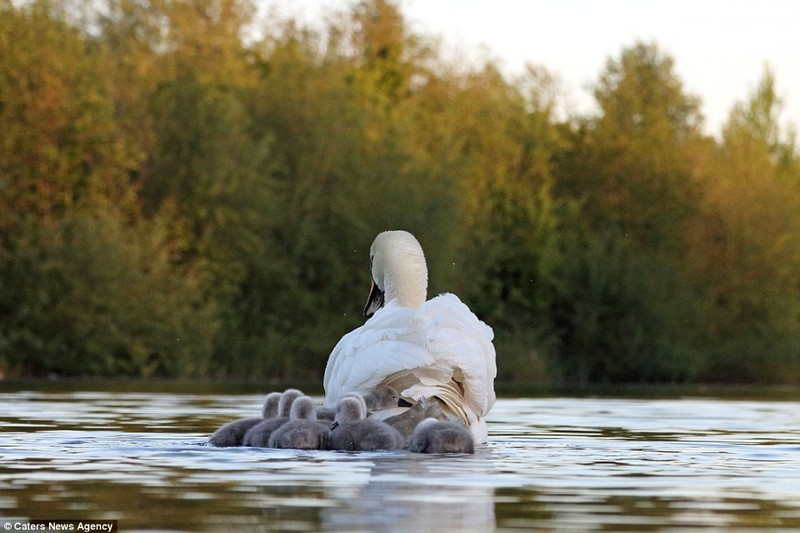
pixel 551 464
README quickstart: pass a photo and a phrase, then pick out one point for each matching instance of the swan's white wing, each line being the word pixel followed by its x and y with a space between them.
pixel 461 346
pixel 385 345
pixel 440 349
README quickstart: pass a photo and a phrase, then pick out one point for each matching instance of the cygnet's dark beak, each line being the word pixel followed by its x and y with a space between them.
pixel 333 426
pixel 375 300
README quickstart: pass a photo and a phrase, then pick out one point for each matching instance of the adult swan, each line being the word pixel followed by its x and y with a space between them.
pixel 425 350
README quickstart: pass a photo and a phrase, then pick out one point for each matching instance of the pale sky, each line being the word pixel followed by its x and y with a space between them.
pixel 720 47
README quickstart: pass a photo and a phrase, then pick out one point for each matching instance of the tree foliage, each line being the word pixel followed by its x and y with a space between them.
pixel 183 192
pixel 91 295
pixel 746 245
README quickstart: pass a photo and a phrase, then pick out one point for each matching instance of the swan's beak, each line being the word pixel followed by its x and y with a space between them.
pixel 375 300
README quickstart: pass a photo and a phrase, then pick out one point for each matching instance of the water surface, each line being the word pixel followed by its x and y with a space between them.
pixel 567 464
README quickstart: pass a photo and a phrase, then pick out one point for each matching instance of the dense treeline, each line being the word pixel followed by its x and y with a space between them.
pixel 182 194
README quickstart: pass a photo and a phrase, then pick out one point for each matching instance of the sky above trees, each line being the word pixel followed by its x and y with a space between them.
pixel 720 47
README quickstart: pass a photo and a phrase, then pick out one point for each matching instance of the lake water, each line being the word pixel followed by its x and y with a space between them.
pixel 551 464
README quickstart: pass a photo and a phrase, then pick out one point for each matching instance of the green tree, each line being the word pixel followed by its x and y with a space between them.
pixel 212 178
pixel 184 79
pixel 60 146
pixel 341 174
pixel 90 295
pixel 183 195
pixel 746 246
pixel 486 145
pixel 632 164
pixel 621 315
pixel 87 286
pixel 625 307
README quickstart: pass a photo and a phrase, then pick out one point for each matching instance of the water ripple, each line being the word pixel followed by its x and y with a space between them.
pixel 550 464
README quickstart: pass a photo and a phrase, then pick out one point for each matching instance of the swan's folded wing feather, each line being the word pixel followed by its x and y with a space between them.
pixel 385 345
pixel 463 343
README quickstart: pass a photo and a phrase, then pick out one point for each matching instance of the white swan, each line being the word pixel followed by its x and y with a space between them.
pixel 425 349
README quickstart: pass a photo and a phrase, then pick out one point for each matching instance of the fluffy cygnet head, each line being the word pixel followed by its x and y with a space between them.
pixel 360 399
pixel 271 402
pixel 303 408
pixel 350 409
pixel 434 436
pixel 287 398
pixel 398 271
pixel 381 397
pixel 426 424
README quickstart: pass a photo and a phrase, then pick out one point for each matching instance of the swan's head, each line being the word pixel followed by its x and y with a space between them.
pixel 398 271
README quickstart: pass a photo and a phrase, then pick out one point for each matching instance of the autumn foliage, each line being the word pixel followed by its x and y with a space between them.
pixel 184 192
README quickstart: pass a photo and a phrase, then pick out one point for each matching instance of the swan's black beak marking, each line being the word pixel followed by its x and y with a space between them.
pixel 375 300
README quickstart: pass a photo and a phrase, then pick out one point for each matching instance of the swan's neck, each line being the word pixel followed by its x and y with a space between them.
pixel 406 278
pixel 399 268
pixel 410 288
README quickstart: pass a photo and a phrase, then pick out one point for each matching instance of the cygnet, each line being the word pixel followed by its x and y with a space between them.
pixel 382 397
pixel 408 421
pixel 258 435
pixel 437 436
pixel 271 405
pixel 302 431
pixel 353 432
pixel 379 398
pixel 232 433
